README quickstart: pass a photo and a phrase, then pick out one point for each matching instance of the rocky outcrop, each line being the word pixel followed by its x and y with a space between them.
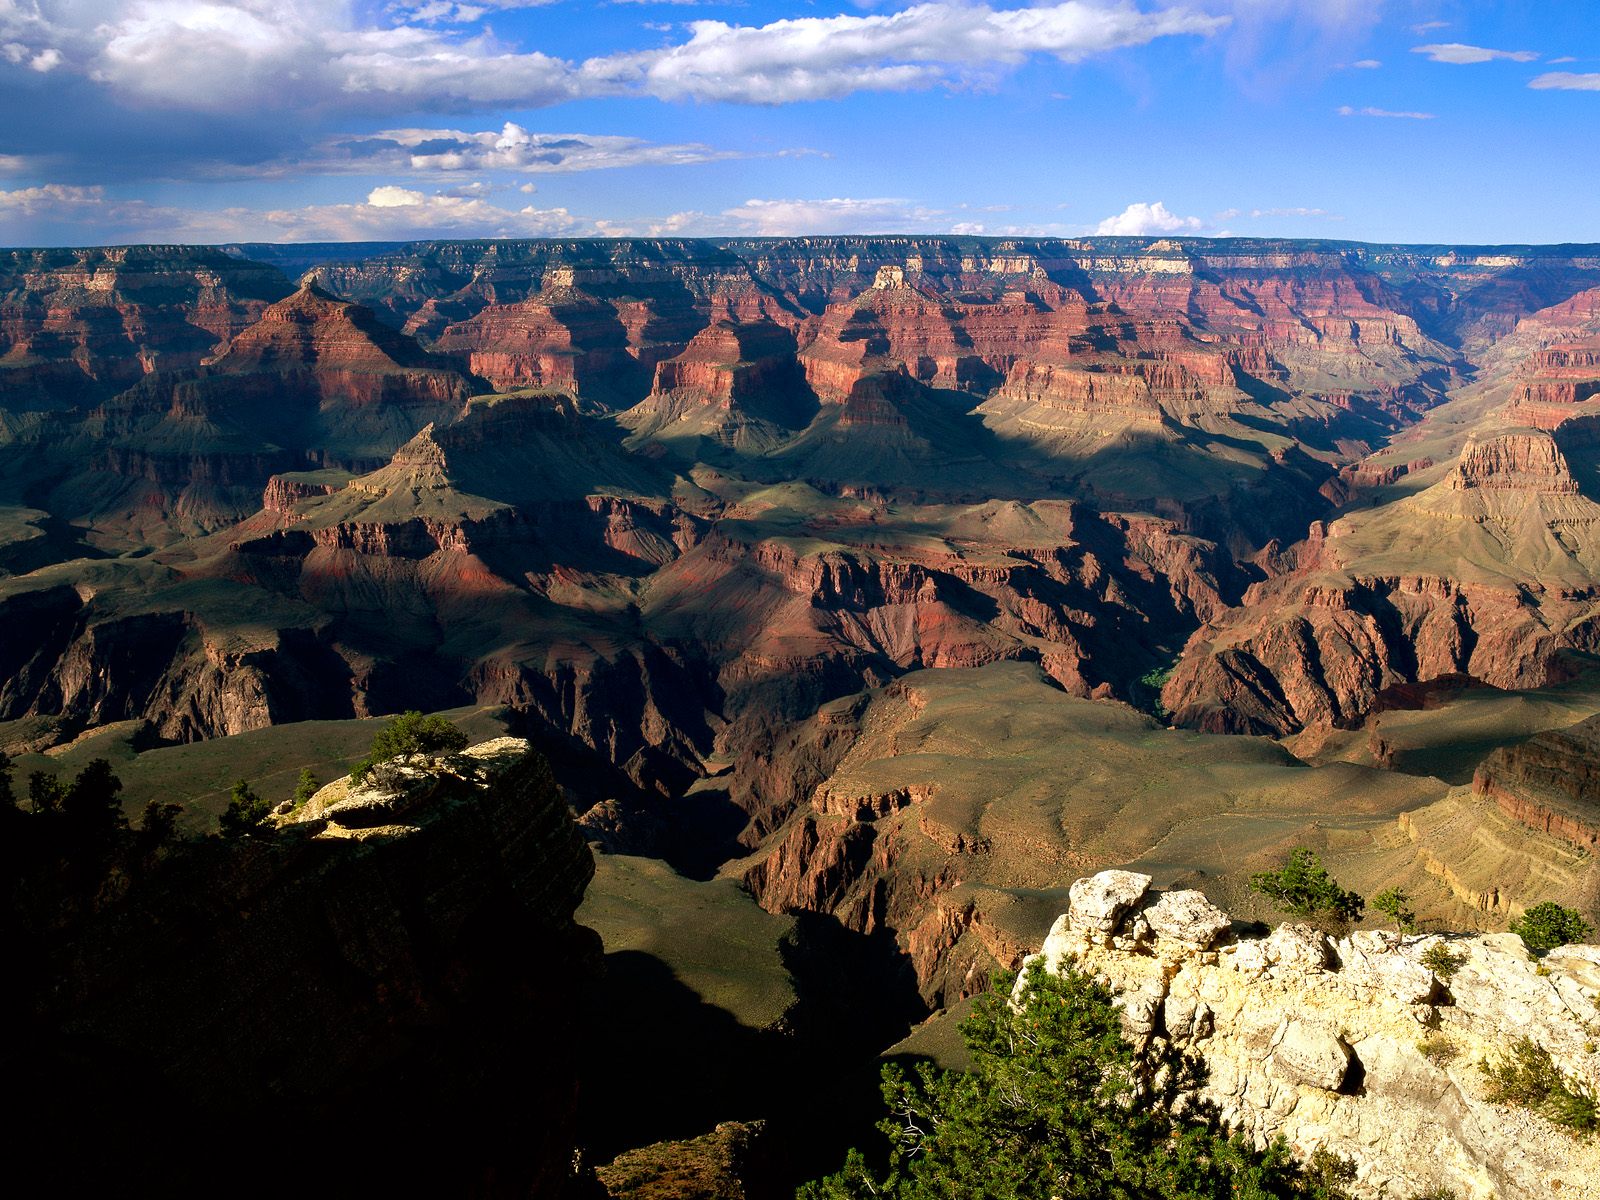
pixel 1550 783
pixel 402 958
pixel 1355 1046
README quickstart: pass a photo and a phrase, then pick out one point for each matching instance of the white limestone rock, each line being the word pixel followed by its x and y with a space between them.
pixel 1311 1054
pixel 1187 917
pixel 1099 902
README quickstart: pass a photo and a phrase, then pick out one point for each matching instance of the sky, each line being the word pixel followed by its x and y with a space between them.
pixel 1419 121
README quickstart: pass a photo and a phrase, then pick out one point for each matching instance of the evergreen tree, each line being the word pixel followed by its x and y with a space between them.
pixel 1302 887
pixel 1396 905
pixel 92 803
pixel 411 733
pixel 1546 926
pixel 1058 1106
pixel 306 788
pixel 244 813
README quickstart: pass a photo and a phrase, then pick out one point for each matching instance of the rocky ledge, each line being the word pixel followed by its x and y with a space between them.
pixel 1355 1045
pixel 395 977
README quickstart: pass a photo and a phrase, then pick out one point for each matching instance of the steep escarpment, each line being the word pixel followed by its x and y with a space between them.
pixel 79 325
pixel 1489 573
pixel 350 973
pixel 960 803
pixel 1551 783
pixel 1357 1046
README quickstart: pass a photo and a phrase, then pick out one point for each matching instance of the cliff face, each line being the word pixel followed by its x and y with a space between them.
pixel 1551 783
pixel 77 324
pixel 1355 1046
pixel 742 479
pixel 401 957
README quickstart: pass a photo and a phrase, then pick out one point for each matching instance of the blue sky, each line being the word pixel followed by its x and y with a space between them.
pixel 293 120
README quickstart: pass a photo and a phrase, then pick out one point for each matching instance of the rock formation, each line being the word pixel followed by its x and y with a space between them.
pixel 399 956
pixel 1356 1045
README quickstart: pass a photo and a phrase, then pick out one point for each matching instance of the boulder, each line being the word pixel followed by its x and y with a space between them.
pixel 1378 960
pixel 1187 917
pixel 1312 1055
pixel 1099 902
pixel 1297 946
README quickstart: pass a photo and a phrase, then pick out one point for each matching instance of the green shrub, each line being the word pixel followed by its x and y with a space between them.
pixel 1439 1051
pixel 244 813
pixel 1303 888
pixel 306 788
pixel 411 733
pixel 1443 961
pixel 1546 926
pixel 1528 1077
pixel 1053 1110
pixel 1396 905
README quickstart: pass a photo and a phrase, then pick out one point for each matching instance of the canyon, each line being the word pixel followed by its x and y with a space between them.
pixel 864 591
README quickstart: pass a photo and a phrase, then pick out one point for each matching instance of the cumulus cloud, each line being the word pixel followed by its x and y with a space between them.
pixel 1567 81
pixel 1460 54
pixel 812 58
pixel 319 56
pixel 1140 219
pixel 1347 111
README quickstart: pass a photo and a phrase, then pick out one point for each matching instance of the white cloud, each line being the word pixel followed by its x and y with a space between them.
pixel 388 213
pixel 1459 54
pixel 329 56
pixel 793 218
pixel 811 58
pixel 1366 64
pixel 389 196
pixel 510 148
pixel 1347 111
pixel 1139 219
pixel 1567 81
pixel 1257 213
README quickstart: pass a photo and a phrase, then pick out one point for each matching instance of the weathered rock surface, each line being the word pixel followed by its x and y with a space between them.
pixel 1359 1048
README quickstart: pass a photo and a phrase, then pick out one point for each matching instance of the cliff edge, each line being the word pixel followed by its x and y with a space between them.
pixel 1355 1045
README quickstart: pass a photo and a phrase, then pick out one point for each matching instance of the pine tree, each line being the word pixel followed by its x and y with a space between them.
pixel 1059 1107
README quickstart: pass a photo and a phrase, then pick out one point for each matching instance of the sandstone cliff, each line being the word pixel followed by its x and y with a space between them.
pixel 1355 1046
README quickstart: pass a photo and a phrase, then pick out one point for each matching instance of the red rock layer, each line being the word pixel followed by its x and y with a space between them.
pixel 1551 782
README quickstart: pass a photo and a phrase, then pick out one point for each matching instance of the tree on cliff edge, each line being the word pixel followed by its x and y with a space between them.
pixel 1058 1106
pixel 411 733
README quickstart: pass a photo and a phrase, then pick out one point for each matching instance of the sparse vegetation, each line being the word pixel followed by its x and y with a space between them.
pixel 1443 961
pixel 1053 1110
pixel 1396 905
pixel 1150 685
pixel 244 813
pixel 1302 887
pixel 306 788
pixel 1546 926
pixel 1528 1077
pixel 1441 1052
pixel 411 733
